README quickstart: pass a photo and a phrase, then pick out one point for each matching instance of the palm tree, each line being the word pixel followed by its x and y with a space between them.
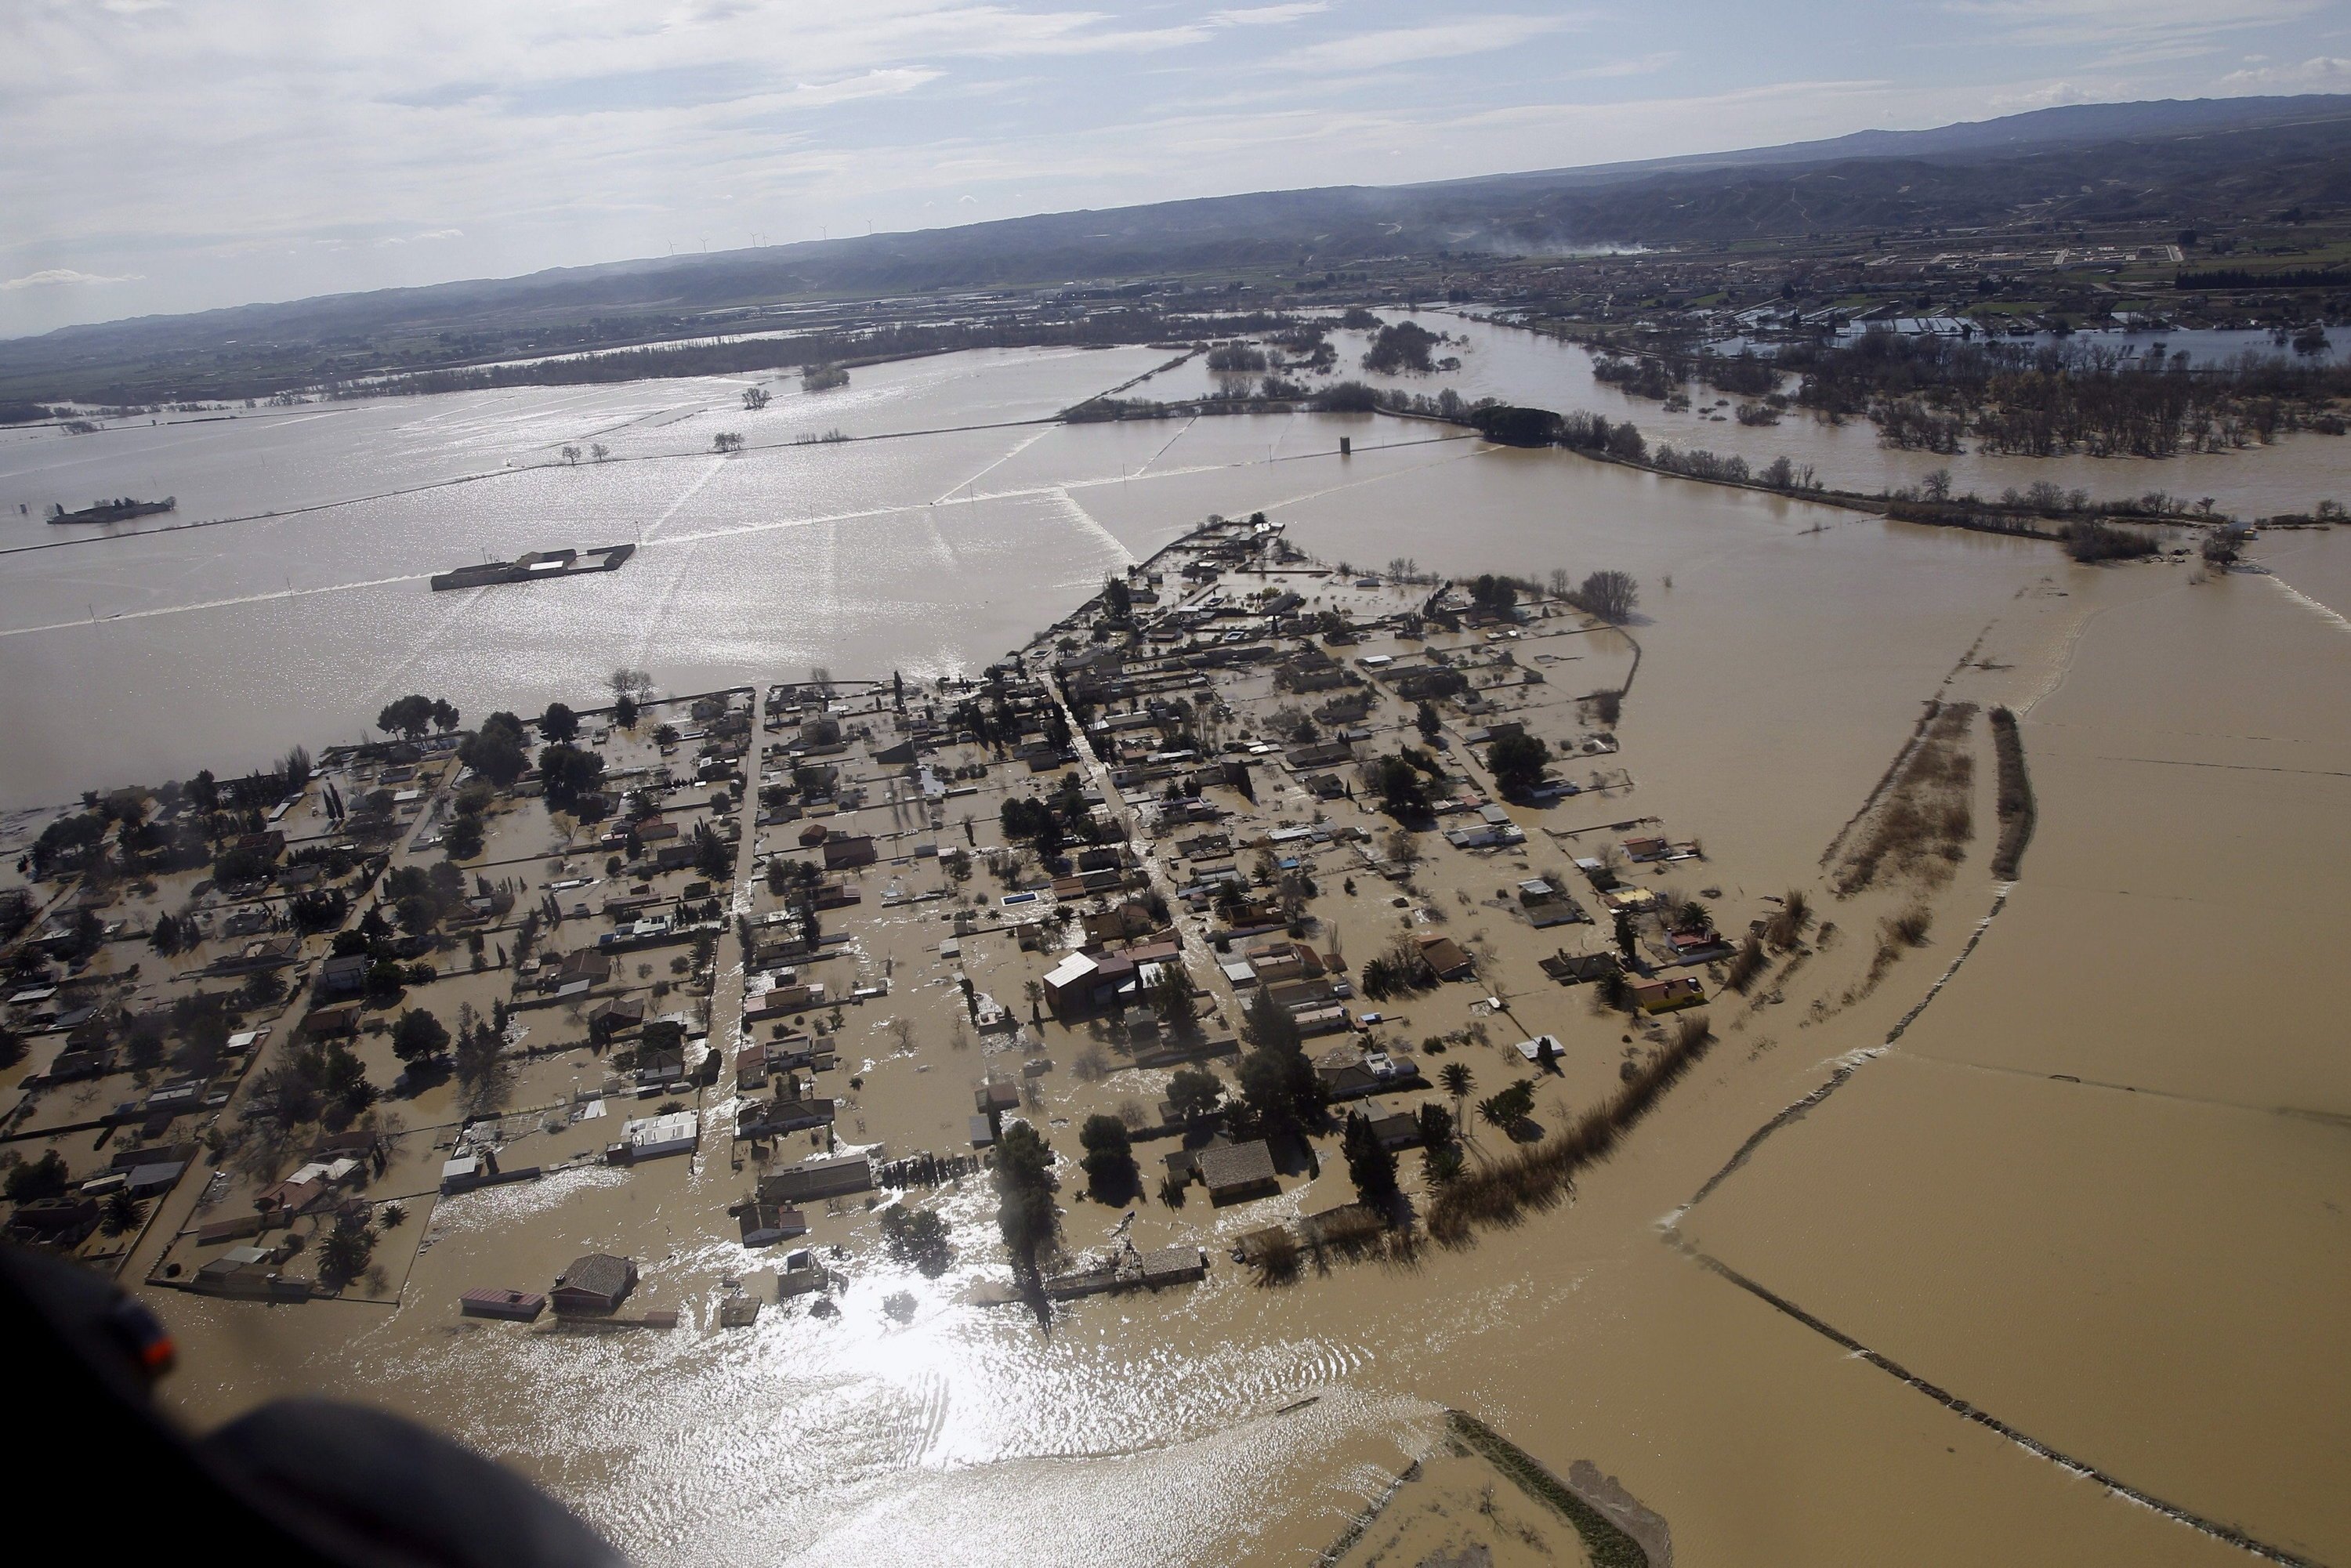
pixel 1036 992
pixel 124 1212
pixel 1494 1109
pixel 1457 1081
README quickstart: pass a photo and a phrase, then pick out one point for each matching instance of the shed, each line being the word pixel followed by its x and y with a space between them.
pixel 597 1282
pixel 1236 1171
pixel 515 1306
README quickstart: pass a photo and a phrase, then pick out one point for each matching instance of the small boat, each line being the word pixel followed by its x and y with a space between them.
pixel 121 509
pixel 538 566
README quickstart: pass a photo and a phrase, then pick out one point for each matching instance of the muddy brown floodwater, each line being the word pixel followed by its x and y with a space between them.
pixel 2095 1189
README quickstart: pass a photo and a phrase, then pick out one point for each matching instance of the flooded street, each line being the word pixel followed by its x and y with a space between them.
pixel 2097 1188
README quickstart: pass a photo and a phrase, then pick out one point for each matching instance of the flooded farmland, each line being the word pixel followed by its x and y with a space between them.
pixel 2096 1188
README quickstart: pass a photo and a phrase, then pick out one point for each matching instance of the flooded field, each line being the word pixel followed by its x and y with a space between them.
pixel 2095 1188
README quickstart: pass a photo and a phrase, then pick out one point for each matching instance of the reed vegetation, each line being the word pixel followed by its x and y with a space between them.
pixel 1922 823
pixel 1794 917
pixel 2016 810
pixel 1539 1174
pixel 1745 965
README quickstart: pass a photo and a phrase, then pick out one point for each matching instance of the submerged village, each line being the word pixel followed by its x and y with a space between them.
pixel 1235 922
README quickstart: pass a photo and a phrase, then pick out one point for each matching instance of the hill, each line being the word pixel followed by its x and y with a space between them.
pixel 2201 162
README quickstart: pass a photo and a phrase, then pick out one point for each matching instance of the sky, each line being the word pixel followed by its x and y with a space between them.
pixel 159 156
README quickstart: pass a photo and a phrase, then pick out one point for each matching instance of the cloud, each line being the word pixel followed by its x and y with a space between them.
pixel 2327 73
pixel 1268 15
pixel 63 277
pixel 2118 24
pixel 1404 45
pixel 2050 95
pixel 1647 65
pixel 425 239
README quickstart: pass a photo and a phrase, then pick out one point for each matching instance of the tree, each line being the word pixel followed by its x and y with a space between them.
pixel 1402 792
pixel 1610 595
pixel 570 453
pixel 1509 1108
pixel 1118 602
pixel 1195 1092
pixel 571 775
pixel 1277 1084
pixel 1109 1158
pixel 1517 762
pixel 1458 1083
pixel 1371 1164
pixel 445 715
pixel 124 1212
pixel 44 1177
pixel 1428 722
pixel 1024 1191
pixel 726 441
pixel 754 399
pixel 559 723
pixel 1035 991
pixel 409 716
pixel 624 711
pixel 496 751
pixel 464 839
pixel 484 1075
pixel 1172 997
pixel 419 1037
pixel 917 1236
pixel 344 1255
pixel 712 858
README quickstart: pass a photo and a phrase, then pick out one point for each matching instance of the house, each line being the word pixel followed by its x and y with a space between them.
pixel 345 975
pixel 247 1271
pixel 332 1023
pixel 1178 1265
pixel 1350 1073
pixel 583 967
pixel 781 1001
pixel 801 1274
pixel 596 1283
pixel 995 1095
pixel 834 1177
pixel 147 1180
pixel 779 1118
pixel 465 1172
pixel 1069 984
pixel 1235 1172
pixel 259 955
pixel 1444 958
pixel 1396 1130
pixel 58 1221
pixel 307 1187
pixel 1649 848
pixel 652 1137
pixel 766 1223
pixel 1315 1022
pixel 1545 906
pixel 845 853
pixel 1576 969
pixel 514 1306
pixel 1660 993
pixel 1543 1048
pixel 615 1015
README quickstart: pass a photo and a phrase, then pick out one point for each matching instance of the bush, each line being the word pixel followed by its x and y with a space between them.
pixel 2092 540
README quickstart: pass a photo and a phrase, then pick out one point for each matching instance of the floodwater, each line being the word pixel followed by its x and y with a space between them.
pixel 2142 1271
pixel 1517 366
